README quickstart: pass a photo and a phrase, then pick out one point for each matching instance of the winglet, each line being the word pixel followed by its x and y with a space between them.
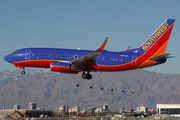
pixel 102 46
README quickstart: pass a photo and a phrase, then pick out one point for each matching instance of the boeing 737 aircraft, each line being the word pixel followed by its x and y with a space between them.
pixel 150 53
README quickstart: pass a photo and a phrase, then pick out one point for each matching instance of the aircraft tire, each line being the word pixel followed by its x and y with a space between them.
pixel 89 77
pixel 84 76
pixel 23 72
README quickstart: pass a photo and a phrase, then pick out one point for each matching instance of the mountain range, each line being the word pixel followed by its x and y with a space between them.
pixel 51 90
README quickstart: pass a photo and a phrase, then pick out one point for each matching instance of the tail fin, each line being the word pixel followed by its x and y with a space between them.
pixel 157 42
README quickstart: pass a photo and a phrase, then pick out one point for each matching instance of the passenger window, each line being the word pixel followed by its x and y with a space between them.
pixel 15 53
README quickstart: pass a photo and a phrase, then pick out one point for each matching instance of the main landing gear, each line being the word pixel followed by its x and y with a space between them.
pixel 86 75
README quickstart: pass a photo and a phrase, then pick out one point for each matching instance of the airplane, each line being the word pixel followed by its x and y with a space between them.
pixel 72 61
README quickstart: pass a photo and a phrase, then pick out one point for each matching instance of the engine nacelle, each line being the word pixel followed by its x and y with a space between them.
pixel 62 67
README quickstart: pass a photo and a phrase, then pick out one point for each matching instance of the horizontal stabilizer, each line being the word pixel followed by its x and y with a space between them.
pixel 160 57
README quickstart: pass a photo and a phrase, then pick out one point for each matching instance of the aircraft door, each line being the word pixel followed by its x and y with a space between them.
pixel 27 54
pixel 134 60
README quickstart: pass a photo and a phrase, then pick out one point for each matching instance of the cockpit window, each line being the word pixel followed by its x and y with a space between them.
pixel 15 53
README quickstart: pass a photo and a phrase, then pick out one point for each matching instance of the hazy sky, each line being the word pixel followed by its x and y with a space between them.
pixel 85 24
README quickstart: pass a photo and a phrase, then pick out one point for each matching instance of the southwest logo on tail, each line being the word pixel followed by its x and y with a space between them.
pixel 71 61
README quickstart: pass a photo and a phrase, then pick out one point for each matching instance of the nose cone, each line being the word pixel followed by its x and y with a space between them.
pixel 8 58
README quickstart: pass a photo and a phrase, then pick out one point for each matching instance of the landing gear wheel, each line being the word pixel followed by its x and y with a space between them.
pixel 23 72
pixel 89 76
pixel 84 76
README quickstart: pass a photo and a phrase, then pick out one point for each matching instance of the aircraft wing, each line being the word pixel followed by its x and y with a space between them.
pixel 160 57
pixel 89 60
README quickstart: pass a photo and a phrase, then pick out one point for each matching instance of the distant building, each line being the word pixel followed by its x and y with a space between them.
pixel 60 109
pixel 98 110
pixel 38 113
pixel 57 109
pixel 142 109
pixel 16 107
pixel 63 109
pixel 32 106
pixel 75 109
pixel 168 109
pixel 105 107
pixel 66 109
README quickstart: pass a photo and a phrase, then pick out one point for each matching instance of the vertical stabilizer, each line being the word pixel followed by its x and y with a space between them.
pixel 157 42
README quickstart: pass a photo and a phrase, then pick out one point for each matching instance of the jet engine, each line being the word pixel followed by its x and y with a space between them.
pixel 63 67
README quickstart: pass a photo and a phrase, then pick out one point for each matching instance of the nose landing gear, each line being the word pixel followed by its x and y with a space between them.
pixel 23 72
pixel 86 75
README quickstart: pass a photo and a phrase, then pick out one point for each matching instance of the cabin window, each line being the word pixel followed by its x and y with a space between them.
pixel 33 54
pixel 58 55
pixel 15 53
